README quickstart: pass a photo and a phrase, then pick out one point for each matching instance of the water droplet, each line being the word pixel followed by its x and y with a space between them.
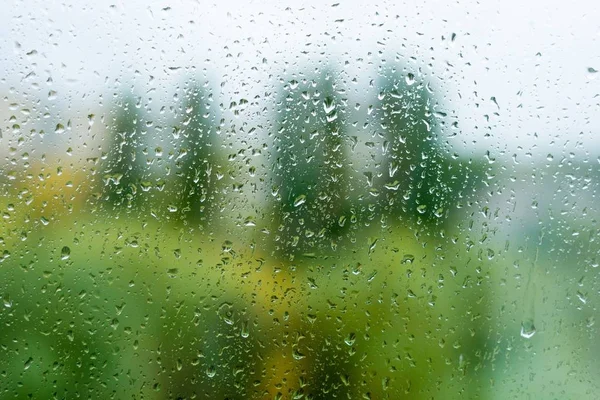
pixel 211 371
pixel 227 246
pixel 345 379
pixel 328 105
pixel 172 272
pixel 372 244
pixel 300 200
pixel 332 116
pixel 372 276
pixel 385 383
pixel 590 321
pixel 350 339
pixel 7 301
pixel 297 355
pixel 527 329
pixel 408 259
pixel 65 253
pixel 245 331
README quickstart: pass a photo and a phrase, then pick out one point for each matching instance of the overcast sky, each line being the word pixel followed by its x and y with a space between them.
pixel 536 58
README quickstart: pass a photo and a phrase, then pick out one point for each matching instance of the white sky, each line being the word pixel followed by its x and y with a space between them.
pixel 532 57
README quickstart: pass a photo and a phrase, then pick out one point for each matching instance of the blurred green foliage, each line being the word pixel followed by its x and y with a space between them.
pixel 123 167
pixel 347 298
pixel 197 158
pixel 423 182
pixel 310 174
pixel 141 309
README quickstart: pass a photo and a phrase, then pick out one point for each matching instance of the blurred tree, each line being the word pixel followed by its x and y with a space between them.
pixel 196 187
pixel 421 180
pixel 123 167
pixel 310 174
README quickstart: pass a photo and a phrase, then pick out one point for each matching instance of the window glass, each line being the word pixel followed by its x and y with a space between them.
pixel 258 200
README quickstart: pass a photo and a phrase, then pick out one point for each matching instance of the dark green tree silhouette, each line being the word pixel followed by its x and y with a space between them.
pixel 124 165
pixel 198 156
pixel 422 182
pixel 310 174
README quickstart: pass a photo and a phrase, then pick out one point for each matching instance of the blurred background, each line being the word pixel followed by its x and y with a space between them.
pixel 289 201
